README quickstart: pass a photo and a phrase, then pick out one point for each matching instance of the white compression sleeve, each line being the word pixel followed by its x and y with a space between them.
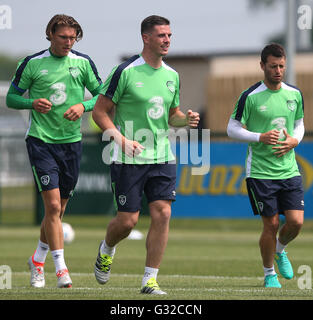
pixel 298 131
pixel 236 131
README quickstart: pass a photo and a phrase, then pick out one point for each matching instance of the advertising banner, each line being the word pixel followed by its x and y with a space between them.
pixel 217 191
pixel 222 192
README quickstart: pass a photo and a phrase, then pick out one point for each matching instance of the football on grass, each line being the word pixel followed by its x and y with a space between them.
pixel 68 233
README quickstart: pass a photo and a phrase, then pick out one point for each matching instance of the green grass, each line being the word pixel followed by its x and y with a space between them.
pixel 17 205
pixel 208 259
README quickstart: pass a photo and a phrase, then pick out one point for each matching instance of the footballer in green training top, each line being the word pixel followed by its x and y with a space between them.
pixel 144 93
pixel 62 81
pixel 262 109
pixel 143 108
pixel 269 115
pixel 55 79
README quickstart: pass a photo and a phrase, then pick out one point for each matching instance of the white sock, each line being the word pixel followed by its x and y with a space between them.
pixel 280 247
pixel 41 252
pixel 268 271
pixel 58 259
pixel 149 273
pixel 105 249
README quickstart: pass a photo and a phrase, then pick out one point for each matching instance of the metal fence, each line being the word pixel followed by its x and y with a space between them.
pixel 17 192
pixel 16 183
pixel 17 200
pixel 14 164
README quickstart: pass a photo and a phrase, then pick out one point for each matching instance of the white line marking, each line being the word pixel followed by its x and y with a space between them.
pixel 172 290
pixel 88 274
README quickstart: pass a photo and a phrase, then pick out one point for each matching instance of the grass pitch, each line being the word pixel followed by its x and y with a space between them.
pixel 206 259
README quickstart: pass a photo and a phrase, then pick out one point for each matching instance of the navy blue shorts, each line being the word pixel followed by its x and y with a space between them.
pixel 269 197
pixel 131 181
pixel 54 165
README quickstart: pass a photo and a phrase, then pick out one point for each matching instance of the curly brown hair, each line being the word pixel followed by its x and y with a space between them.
pixel 63 20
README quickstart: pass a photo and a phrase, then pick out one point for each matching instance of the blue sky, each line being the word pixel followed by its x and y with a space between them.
pixel 112 28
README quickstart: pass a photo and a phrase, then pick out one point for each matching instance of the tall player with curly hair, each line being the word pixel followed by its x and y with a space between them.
pixel 55 79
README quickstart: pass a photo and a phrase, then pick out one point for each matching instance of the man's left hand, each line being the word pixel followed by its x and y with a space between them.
pixel 74 112
pixel 286 145
pixel 192 118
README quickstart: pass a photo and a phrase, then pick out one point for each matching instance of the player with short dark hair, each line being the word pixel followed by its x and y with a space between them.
pixel 55 79
pixel 274 49
pixel 145 93
pixel 272 113
pixel 148 24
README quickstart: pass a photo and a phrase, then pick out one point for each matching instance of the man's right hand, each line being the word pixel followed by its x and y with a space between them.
pixel 131 148
pixel 271 137
pixel 42 105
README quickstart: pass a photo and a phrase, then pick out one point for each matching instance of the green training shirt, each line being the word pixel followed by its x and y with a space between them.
pixel 62 81
pixel 143 97
pixel 261 110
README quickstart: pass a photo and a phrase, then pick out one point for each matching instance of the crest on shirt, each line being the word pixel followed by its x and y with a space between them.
pixel 291 105
pixel 122 199
pixel 74 71
pixel 171 86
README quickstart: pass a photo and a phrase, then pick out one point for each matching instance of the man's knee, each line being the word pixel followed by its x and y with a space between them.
pixel 294 220
pixel 161 212
pixel 271 224
pixel 165 213
pixel 127 220
pixel 53 208
pixel 294 224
